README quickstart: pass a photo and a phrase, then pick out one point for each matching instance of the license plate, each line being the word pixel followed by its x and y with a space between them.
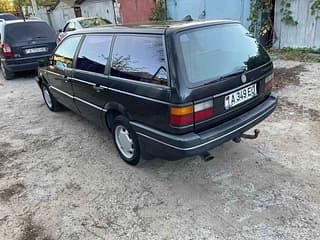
pixel 36 50
pixel 240 96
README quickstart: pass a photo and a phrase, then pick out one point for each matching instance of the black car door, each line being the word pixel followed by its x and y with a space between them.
pixel 89 79
pixel 60 71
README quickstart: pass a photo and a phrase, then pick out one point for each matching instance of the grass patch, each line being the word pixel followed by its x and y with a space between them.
pixel 297 54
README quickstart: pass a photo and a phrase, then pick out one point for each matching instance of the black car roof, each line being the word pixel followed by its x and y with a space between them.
pixel 155 28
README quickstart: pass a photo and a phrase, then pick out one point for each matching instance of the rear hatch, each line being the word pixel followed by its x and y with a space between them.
pixel 29 39
pixel 225 71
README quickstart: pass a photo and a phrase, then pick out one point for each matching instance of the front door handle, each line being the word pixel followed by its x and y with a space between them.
pixel 98 88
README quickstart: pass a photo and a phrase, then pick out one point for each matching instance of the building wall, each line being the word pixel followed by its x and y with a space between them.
pixel 305 34
pixel 98 8
pixel 62 13
pixel 42 13
pixel 210 9
pixel 136 11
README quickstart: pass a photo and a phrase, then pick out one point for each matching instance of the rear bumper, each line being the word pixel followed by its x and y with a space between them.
pixel 169 146
pixel 23 64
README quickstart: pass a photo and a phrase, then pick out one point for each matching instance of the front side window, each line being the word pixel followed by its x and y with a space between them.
pixel 139 58
pixel 94 53
pixel 63 57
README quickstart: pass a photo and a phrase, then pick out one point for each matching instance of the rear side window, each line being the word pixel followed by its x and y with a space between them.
pixel 26 31
pixel 94 53
pixel 71 26
pixel 139 58
pixel 63 57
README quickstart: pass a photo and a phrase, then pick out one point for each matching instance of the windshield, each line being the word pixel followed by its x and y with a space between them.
pixel 92 22
pixel 26 31
pixel 213 52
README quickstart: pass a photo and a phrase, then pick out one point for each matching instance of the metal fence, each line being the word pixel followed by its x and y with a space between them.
pixel 305 34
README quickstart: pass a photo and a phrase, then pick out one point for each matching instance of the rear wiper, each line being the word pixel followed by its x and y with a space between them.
pixel 235 73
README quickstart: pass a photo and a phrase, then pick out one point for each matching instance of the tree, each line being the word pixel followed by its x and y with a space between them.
pixel 6 6
pixel 159 12
pixel 19 4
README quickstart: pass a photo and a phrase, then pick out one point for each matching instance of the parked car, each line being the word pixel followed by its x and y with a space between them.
pixel 8 16
pixel 23 44
pixel 168 91
pixel 80 23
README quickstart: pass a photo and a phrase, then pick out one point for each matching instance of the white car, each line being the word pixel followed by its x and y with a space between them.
pixel 80 23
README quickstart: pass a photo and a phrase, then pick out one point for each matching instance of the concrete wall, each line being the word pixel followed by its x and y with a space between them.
pixel 305 34
pixel 62 13
pixel 58 17
pixel 136 11
pixel 98 8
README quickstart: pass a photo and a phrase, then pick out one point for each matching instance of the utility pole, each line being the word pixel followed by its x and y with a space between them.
pixel 35 7
pixel 19 6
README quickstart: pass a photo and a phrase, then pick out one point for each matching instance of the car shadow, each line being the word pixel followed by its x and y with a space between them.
pixel 23 75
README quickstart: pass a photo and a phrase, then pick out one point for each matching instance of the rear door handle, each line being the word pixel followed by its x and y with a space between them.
pixel 67 79
pixel 98 88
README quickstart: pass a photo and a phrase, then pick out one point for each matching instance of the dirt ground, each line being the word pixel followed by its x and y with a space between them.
pixel 61 177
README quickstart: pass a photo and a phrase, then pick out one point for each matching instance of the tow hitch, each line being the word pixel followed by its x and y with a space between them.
pixel 247 136
pixel 253 136
pixel 206 156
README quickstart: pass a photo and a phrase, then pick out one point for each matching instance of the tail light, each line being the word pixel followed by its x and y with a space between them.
pixel 203 110
pixel 6 49
pixel 268 82
pixel 181 116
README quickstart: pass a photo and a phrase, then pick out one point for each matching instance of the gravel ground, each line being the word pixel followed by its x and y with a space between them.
pixel 61 177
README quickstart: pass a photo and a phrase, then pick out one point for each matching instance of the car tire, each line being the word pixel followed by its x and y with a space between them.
pixel 49 100
pixel 7 75
pixel 126 141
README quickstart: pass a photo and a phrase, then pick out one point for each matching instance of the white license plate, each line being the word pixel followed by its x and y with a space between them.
pixel 36 50
pixel 240 96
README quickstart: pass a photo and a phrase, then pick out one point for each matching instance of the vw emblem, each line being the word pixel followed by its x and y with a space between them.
pixel 243 78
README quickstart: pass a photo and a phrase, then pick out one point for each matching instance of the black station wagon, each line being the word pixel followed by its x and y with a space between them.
pixel 164 90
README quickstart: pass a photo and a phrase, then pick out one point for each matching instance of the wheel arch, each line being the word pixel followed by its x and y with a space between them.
pixel 42 79
pixel 115 109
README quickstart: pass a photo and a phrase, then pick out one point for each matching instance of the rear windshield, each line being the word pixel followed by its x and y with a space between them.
pixel 213 52
pixel 26 31
pixel 92 22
